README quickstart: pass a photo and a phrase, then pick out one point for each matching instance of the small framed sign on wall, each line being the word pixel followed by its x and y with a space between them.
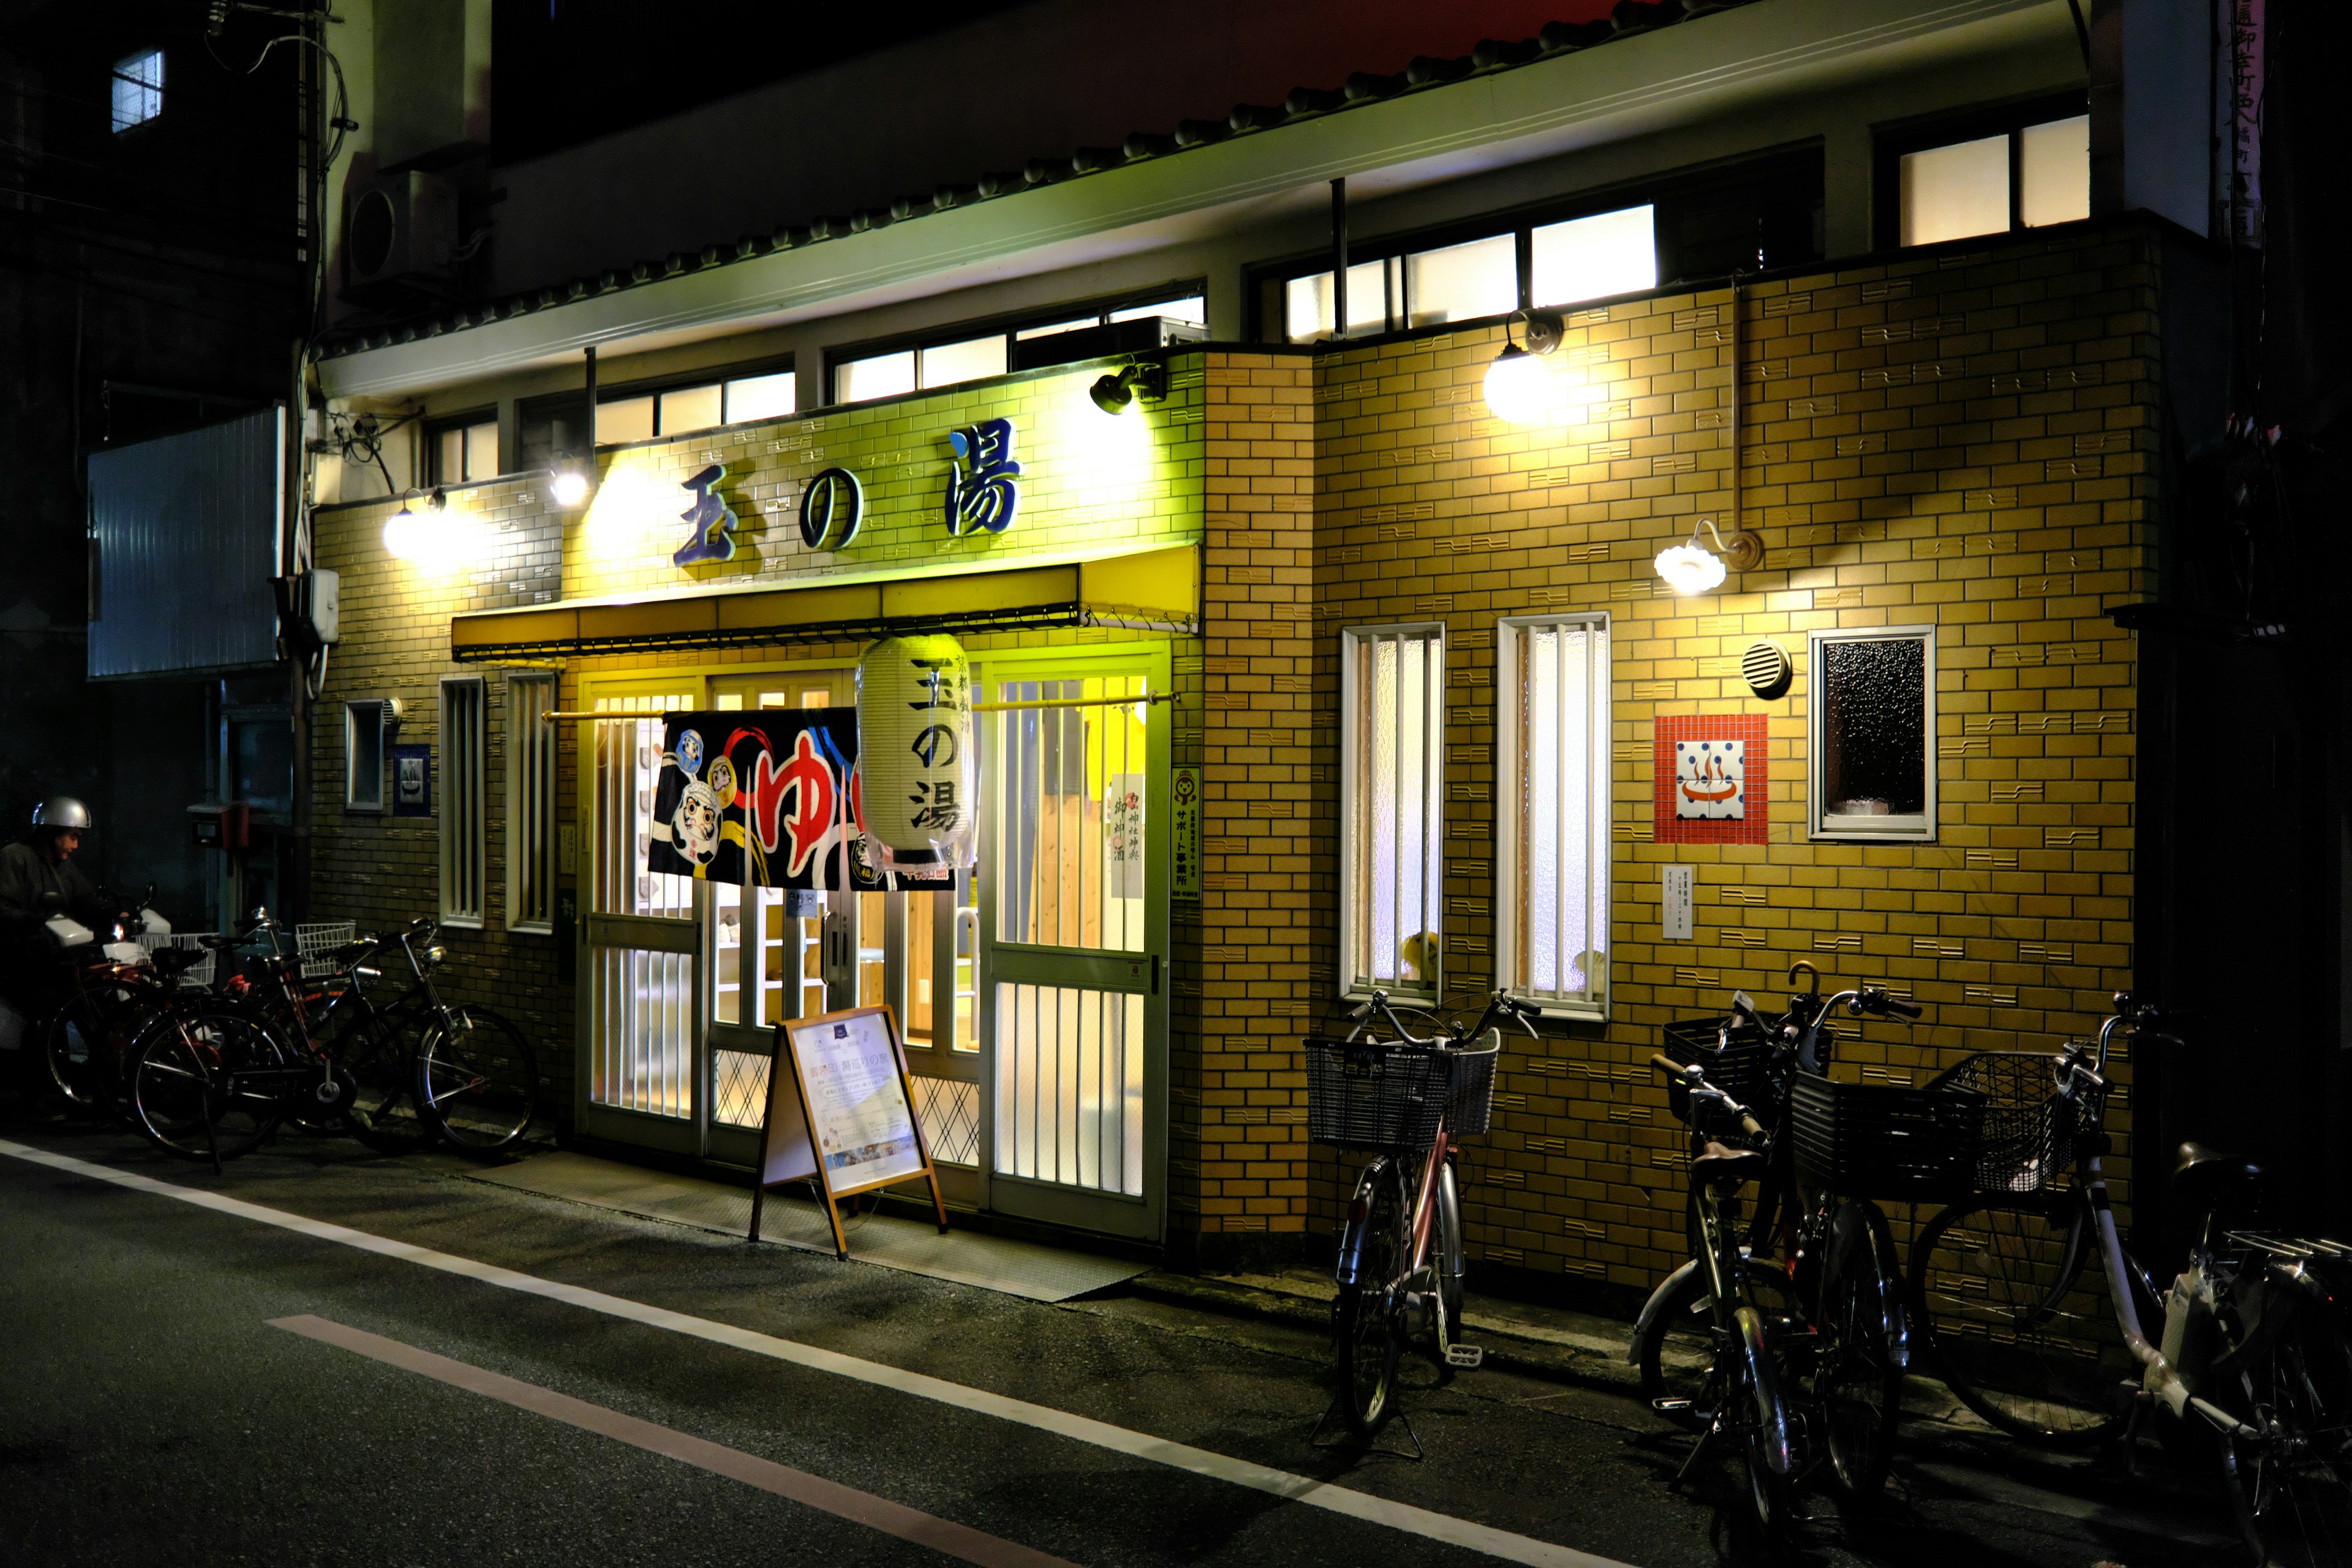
pixel 1711 774
pixel 411 781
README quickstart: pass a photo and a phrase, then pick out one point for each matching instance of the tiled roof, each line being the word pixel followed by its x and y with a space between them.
pixel 1628 19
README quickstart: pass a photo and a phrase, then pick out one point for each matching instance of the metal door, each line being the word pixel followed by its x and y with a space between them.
pixel 641 1077
pixel 1073 929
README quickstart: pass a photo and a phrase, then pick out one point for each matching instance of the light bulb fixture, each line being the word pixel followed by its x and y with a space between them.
pixel 1519 387
pixel 1116 392
pixel 568 483
pixel 1691 568
pixel 403 533
pixel 409 534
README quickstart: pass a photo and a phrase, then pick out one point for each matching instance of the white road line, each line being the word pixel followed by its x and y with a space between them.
pixel 941 1535
pixel 1463 1532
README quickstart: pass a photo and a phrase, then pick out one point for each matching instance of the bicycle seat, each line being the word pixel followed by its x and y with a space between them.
pixel 1719 1166
pixel 2198 1172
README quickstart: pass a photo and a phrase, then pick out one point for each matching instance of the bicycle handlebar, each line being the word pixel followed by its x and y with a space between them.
pixel 1693 1079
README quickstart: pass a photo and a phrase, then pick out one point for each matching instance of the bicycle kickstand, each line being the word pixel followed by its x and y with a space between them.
pixel 1697 1448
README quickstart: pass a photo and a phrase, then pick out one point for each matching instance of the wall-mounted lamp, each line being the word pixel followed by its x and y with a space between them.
pixel 407 535
pixel 1147 379
pixel 1691 568
pixel 1519 387
pixel 568 482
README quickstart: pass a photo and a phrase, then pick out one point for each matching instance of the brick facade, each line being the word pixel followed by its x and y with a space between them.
pixel 1963 437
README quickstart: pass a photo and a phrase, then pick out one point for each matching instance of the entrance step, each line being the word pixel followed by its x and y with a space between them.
pixel 915 1247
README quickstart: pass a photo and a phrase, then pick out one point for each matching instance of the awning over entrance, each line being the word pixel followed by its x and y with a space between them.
pixel 1155 590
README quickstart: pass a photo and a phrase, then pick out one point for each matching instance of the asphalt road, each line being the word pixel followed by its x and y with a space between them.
pixel 151 1412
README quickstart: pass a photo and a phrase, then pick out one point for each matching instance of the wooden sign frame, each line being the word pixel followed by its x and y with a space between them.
pixel 790 1140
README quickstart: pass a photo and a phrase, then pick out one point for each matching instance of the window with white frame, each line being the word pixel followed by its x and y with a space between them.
pixel 1551 811
pixel 531 802
pixel 461 450
pixel 1392 814
pixel 2022 166
pixel 1874 733
pixel 138 89
pixel 363 756
pixel 465 824
pixel 961 354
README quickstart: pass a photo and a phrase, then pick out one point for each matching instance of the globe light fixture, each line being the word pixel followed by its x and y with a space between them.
pixel 411 536
pixel 1691 568
pixel 569 484
pixel 1520 389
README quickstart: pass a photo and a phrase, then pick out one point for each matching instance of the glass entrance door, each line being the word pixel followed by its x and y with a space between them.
pixel 777 955
pixel 640 1022
pixel 1074 926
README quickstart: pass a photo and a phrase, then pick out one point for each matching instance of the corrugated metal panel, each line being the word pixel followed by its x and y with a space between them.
pixel 187 541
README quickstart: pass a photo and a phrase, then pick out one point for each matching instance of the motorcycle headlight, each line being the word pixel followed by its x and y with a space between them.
pixel 435 954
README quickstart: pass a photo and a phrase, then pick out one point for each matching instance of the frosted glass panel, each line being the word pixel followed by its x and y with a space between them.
pixel 2054 172
pixel 1307 303
pixel 690 408
pixel 967 361
pixel 1594 257
pixel 482 450
pixel 1950 193
pixel 1461 281
pixel 762 396
pixel 1192 309
pixel 1069 1086
pixel 1553 883
pixel 884 376
pixel 1874 728
pixel 1395 875
pixel 624 419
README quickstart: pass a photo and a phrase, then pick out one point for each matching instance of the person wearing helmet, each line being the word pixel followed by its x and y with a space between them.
pixel 38 880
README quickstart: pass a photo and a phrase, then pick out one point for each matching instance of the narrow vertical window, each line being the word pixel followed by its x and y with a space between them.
pixel 463 822
pixel 363 756
pixel 1874 733
pixel 1551 812
pixel 531 802
pixel 1392 819
pixel 138 89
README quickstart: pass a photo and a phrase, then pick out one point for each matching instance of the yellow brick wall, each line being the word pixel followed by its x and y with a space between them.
pixel 1964 439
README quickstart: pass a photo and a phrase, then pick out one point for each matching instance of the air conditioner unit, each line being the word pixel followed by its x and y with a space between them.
pixel 400 231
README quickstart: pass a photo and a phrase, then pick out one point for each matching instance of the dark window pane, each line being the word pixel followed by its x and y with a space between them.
pixel 263 755
pixel 1873 727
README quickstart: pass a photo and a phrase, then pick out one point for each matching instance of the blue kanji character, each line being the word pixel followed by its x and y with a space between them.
pixel 713 538
pixel 983 481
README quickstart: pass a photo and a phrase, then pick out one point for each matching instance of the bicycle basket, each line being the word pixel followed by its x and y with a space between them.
pixel 1470 1108
pixel 1876 1140
pixel 2030 1129
pixel 1374 1094
pixel 1735 1058
pixel 314 942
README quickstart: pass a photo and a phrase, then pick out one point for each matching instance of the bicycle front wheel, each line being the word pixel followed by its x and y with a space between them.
pixel 83 1047
pixel 2015 1307
pixel 207 1084
pixel 1367 1325
pixel 381 1064
pixel 2292 1493
pixel 1859 1350
pixel 477 1082
pixel 1676 1351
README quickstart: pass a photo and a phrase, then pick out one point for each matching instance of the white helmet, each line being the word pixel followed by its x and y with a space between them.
pixel 62 811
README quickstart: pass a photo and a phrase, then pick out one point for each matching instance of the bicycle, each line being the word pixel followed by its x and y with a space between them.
pixel 2255 1336
pixel 1400 1266
pixel 1828 1322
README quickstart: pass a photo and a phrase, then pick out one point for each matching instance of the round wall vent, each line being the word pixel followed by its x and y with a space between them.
pixel 1768 670
pixel 374 223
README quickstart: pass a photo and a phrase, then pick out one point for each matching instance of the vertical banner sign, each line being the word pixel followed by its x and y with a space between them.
pixel 1186 813
pixel 919 773
pixel 2246 29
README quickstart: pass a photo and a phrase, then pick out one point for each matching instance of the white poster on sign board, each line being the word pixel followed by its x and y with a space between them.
pixel 864 1130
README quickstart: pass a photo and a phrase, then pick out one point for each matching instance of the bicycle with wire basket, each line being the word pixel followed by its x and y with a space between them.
pixel 1796 1359
pixel 1407 1100
pixel 2251 1359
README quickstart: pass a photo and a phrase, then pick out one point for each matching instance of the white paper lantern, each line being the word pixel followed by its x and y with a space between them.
pixel 917 757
